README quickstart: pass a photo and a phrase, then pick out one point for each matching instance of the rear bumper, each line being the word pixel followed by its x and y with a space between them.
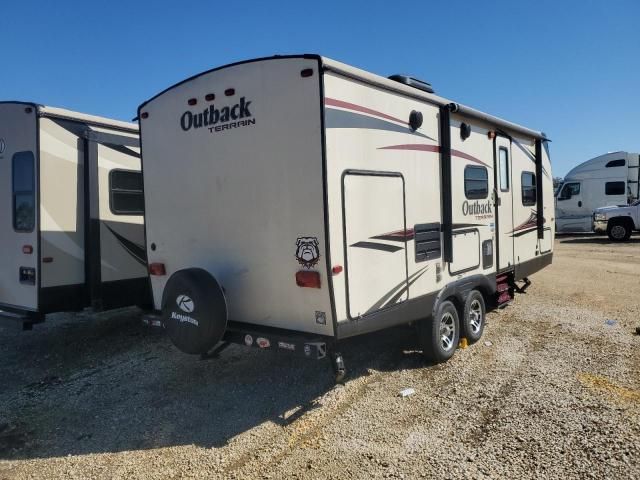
pixel 268 338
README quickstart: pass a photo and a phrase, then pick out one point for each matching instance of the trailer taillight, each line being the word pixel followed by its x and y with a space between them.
pixel 308 279
pixel 337 269
pixel 157 269
pixel 27 249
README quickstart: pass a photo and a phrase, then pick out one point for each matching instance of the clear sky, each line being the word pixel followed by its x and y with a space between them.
pixel 569 68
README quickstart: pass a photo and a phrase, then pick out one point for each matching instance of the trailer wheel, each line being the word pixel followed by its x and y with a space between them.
pixel 439 336
pixel 618 231
pixel 194 310
pixel 472 324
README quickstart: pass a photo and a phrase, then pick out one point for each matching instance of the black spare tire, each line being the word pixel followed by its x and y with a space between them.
pixel 194 310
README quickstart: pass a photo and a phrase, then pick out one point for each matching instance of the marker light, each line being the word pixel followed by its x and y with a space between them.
pixel 307 72
pixel 337 269
pixel 27 249
pixel 209 97
pixel 230 91
pixel 144 115
pixel 307 279
pixel 192 101
pixel 157 269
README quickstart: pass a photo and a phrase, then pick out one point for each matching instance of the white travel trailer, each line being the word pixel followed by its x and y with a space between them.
pixel 73 220
pixel 608 180
pixel 295 201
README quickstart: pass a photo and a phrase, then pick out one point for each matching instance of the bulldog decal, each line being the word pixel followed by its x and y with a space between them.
pixel 307 251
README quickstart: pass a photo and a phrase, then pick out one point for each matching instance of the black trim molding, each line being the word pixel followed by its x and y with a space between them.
pixel 523 270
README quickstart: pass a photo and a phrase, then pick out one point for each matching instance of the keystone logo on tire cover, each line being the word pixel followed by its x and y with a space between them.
pixel 185 303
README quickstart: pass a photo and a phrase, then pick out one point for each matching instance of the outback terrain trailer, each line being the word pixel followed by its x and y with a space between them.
pixel 292 202
pixel 71 213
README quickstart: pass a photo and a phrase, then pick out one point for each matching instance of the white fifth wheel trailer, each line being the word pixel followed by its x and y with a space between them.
pixel 296 201
pixel 612 179
pixel 72 216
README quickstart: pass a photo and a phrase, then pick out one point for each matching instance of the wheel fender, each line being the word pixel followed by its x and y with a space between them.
pixel 459 290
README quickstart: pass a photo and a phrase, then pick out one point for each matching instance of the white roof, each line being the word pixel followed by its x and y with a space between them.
pixel 56 112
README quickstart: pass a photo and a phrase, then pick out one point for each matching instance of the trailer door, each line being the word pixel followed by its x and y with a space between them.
pixel 375 241
pixel 18 207
pixel 504 203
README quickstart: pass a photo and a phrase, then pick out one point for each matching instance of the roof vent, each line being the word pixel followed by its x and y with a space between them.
pixel 412 82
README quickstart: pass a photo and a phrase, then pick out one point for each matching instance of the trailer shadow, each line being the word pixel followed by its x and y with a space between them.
pixel 80 385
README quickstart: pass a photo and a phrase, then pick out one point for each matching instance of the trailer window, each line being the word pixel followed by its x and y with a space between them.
pixel 23 189
pixel 529 193
pixel 476 184
pixel 616 163
pixel 126 196
pixel 504 169
pixel 614 188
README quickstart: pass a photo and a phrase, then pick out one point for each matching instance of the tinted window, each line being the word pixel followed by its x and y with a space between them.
pixel 23 186
pixel 125 192
pixel 476 183
pixel 529 192
pixel 569 190
pixel 504 169
pixel 614 188
pixel 616 163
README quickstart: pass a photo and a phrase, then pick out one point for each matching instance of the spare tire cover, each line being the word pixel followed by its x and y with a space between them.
pixel 194 310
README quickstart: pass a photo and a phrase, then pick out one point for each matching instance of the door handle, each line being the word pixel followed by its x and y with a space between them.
pixel 580 203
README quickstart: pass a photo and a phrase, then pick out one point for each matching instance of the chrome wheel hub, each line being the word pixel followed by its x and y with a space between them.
pixel 447 331
pixel 475 317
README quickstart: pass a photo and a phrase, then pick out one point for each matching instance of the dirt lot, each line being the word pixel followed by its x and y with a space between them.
pixel 551 391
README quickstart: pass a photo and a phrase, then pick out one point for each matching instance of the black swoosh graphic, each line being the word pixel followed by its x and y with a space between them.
pixel 377 246
pixel 389 295
pixel 136 251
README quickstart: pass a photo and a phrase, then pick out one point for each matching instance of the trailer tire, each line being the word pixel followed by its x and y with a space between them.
pixel 473 316
pixel 619 230
pixel 439 335
pixel 194 310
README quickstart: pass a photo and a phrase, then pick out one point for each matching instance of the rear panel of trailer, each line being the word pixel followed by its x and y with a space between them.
pixel 234 184
pixel 18 206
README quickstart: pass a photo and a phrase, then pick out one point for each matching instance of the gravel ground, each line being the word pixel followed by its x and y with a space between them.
pixel 551 391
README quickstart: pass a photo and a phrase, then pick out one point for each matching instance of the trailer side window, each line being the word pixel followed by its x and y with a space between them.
pixel 476 183
pixel 529 193
pixel 126 196
pixel 24 198
pixel 615 163
pixel 504 169
pixel 614 188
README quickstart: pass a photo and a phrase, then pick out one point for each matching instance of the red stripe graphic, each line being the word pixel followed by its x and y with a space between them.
pixel 423 147
pixel 466 156
pixel 407 234
pixel 358 108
